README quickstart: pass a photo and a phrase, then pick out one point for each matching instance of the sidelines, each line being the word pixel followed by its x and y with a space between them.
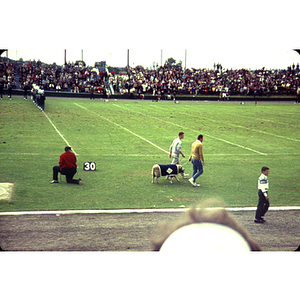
pixel 59 133
pixel 116 124
pixel 222 140
pixel 129 211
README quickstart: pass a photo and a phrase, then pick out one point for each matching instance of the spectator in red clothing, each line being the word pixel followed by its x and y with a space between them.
pixel 67 166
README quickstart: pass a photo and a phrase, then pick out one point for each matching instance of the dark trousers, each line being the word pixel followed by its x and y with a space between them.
pixel 68 172
pixel 262 206
pixel 41 103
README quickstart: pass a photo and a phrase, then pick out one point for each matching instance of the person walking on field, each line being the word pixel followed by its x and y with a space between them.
pixel 175 150
pixel 263 198
pixel 197 159
pixel 67 166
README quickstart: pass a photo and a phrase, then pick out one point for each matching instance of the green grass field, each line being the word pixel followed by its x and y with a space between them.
pixel 126 138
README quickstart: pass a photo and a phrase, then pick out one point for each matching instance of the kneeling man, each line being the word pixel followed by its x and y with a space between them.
pixel 67 166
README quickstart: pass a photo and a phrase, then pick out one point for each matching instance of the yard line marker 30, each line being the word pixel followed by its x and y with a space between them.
pixel 220 139
pixel 126 129
pixel 59 133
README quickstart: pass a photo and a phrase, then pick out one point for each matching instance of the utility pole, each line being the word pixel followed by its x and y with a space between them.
pixel 128 73
pixel 185 59
pixel 82 54
pixel 128 58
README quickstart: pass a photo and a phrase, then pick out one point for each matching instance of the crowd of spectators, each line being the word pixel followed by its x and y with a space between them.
pixel 7 74
pixel 163 82
pixel 167 82
pixel 75 77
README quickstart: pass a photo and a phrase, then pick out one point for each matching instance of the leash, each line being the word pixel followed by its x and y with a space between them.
pixel 184 163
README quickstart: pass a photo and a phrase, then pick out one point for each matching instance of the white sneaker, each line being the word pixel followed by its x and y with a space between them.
pixel 191 180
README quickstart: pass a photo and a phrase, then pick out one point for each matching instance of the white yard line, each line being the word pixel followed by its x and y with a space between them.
pixel 174 124
pixel 3 190
pixel 252 129
pixel 264 132
pixel 237 145
pixel 247 154
pixel 29 154
pixel 67 143
pixel 128 211
pixel 269 121
pixel 150 155
pixel 126 129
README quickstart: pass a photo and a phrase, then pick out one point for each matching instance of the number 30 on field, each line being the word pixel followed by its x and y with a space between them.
pixel 89 166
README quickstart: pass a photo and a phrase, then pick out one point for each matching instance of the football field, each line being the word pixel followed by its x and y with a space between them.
pixel 126 138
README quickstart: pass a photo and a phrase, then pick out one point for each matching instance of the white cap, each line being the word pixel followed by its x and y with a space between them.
pixel 205 237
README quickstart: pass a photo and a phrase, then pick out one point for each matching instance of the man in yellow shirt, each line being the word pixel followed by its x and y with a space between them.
pixel 197 160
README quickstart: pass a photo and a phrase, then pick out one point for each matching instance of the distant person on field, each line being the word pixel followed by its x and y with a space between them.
pixel 26 88
pixel 34 93
pixel 9 89
pixel 1 88
pixel 67 166
pixel 298 94
pixel 40 98
pixel 197 159
pixel 175 150
pixel 92 91
pixel 263 198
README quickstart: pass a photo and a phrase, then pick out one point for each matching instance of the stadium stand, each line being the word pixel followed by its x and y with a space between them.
pixel 77 79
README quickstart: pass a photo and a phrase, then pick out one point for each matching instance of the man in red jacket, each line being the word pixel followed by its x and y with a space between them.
pixel 67 166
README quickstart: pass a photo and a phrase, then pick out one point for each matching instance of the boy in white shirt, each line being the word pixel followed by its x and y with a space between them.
pixel 263 198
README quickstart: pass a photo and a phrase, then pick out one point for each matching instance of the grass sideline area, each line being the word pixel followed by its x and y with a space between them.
pixel 282 97
pixel 126 138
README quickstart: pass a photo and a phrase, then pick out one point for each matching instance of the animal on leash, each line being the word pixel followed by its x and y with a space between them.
pixel 166 170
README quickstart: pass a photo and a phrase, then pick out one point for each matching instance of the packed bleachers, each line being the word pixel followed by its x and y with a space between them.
pixel 75 78
pixel 217 81
pixel 162 82
pixel 7 74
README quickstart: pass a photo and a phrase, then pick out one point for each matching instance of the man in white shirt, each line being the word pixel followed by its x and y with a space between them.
pixel 175 150
pixel 263 198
